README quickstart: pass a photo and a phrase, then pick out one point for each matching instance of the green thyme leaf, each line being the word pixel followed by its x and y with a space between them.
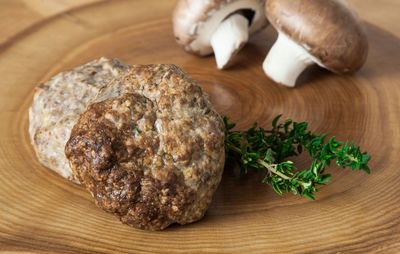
pixel 267 151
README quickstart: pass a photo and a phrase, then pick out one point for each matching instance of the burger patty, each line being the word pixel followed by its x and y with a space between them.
pixel 57 105
pixel 150 148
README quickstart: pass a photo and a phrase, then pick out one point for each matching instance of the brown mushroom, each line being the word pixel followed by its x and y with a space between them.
pixel 326 32
pixel 220 26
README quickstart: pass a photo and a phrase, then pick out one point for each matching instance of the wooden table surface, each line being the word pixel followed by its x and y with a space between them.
pixel 20 15
pixel 32 221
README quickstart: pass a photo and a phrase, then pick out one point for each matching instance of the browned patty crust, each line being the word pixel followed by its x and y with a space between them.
pixel 150 149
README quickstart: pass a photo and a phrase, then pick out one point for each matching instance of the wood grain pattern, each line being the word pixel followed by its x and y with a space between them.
pixel 355 213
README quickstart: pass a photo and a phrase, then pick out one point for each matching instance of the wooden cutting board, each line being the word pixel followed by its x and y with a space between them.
pixel 356 212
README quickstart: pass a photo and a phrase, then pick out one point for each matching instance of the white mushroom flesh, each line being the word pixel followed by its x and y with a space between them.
pixel 287 60
pixel 205 30
pixel 230 36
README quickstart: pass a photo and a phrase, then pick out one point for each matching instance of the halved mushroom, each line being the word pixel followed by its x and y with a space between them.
pixel 220 26
pixel 326 32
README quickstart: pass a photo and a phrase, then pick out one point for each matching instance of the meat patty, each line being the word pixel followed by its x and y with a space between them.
pixel 57 105
pixel 150 149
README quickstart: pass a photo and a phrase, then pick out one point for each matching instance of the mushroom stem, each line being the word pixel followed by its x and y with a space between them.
pixel 286 61
pixel 230 36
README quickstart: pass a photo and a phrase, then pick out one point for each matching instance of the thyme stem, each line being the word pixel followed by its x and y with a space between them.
pixel 267 151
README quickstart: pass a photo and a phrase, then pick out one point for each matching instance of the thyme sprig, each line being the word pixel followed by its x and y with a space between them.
pixel 267 151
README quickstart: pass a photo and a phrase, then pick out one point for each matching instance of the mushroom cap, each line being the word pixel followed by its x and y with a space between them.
pixel 192 18
pixel 150 148
pixel 330 30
